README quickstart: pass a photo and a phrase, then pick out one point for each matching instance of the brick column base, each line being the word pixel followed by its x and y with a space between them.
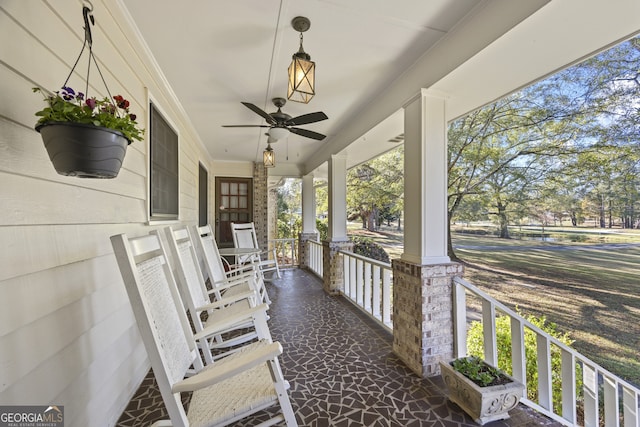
pixel 303 253
pixel 332 265
pixel 423 314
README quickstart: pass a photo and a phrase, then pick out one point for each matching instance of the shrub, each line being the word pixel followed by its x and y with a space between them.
pixel 475 347
pixel 322 225
pixel 367 247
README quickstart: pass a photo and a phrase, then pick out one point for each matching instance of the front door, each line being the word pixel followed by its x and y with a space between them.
pixel 234 203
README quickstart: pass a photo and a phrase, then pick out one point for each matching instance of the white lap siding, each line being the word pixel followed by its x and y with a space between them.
pixel 67 333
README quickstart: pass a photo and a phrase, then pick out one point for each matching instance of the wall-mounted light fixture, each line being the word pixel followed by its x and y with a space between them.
pixel 302 70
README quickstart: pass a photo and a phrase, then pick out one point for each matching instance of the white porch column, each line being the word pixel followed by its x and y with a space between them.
pixel 308 220
pixel 337 237
pixel 337 198
pixel 425 184
pixel 423 276
pixel 308 205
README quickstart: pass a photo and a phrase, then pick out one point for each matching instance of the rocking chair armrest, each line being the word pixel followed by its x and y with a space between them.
pixel 226 300
pixel 229 367
pixel 241 274
pixel 214 328
pixel 239 270
pixel 222 285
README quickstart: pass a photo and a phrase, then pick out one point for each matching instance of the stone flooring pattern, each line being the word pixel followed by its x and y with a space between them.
pixel 341 369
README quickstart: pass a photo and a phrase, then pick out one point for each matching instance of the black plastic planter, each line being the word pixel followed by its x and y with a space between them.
pixel 82 150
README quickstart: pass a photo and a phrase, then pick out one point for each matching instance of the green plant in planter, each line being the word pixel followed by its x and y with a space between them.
pixel 475 347
pixel 68 106
pixel 479 372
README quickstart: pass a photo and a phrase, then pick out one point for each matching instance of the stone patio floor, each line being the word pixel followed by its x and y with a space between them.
pixel 341 369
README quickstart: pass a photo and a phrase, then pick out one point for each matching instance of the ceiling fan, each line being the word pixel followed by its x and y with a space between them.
pixel 280 123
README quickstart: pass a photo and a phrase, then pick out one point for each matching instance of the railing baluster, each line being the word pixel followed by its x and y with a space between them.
pixel 359 282
pixel 568 386
pixel 347 275
pixel 386 297
pixel 590 382
pixel 611 411
pixel 489 332
pixel 367 287
pixel 352 278
pixel 518 356
pixel 630 399
pixel 460 320
pixel 544 371
pixel 376 293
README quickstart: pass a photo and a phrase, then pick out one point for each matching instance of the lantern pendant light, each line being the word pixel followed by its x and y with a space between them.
pixel 269 157
pixel 302 70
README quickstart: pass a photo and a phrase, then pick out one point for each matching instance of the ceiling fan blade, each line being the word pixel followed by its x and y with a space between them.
pixel 308 133
pixel 246 126
pixel 260 112
pixel 306 119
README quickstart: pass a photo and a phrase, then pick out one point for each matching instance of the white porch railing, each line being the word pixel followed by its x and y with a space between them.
pixel 602 400
pixel 315 257
pixel 286 251
pixel 367 283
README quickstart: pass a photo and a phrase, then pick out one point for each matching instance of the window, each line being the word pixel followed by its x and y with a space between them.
pixel 163 148
pixel 203 196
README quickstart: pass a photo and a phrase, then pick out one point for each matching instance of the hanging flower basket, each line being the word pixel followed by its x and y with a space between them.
pixel 84 136
pixel 84 151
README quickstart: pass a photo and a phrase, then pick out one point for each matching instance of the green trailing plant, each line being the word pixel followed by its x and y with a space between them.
pixel 478 371
pixel 68 106
pixel 475 347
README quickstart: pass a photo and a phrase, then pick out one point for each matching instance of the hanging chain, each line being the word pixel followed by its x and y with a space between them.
pixel 88 40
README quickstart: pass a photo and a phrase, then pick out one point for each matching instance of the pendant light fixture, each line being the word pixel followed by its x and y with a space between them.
pixel 302 70
pixel 269 157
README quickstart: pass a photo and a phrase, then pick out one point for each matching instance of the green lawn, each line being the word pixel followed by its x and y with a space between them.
pixel 590 291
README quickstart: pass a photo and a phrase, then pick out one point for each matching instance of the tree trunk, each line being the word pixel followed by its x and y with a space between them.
pixel 450 251
pixel 503 221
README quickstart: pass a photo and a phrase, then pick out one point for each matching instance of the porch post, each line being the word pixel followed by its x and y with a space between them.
pixel 308 219
pixel 422 277
pixel 337 237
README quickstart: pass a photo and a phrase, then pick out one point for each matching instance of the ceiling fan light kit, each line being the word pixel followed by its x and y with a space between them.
pixel 302 70
pixel 277 133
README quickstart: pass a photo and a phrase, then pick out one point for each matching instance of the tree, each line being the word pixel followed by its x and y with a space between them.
pixel 555 125
pixel 375 189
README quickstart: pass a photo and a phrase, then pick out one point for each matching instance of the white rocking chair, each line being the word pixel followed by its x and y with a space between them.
pixel 213 262
pixel 244 236
pixel 238 305
pixel 224 392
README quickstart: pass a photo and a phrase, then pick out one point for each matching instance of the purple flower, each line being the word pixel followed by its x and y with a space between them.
pixel 80 96
pixel 132 117
pixel 68 93
pixel 91 103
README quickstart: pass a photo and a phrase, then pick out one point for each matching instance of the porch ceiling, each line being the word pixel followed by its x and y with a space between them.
pixel 371 58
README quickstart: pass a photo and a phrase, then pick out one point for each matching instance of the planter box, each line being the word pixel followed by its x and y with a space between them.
pixel 483 404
